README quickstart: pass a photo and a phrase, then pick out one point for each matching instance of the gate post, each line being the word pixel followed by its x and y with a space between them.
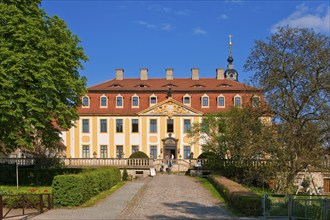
pixel 290 205
pixel 1 214
pixel 41 200
pixel 325 204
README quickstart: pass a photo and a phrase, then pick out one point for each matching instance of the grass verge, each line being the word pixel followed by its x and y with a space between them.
pixel 98 198
pixel 25 189
pixel 218 195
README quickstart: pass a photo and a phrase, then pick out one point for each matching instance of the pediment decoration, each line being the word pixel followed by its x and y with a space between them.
pixel 170 107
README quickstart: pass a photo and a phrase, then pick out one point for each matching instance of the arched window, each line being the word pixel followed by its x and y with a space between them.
pixel 205 101
pixel 119 101
pixel 221 101
pixel 135 101
pixel 237 101
pixel 103 101
pixel 85 102
pixel 255 101
pixel 153 100
pixel 186 100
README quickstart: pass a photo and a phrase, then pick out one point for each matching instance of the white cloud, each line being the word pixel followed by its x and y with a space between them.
pixel 167 27
pixel 146 24
pixel 199 31
pixel 223 16
pixel 304 17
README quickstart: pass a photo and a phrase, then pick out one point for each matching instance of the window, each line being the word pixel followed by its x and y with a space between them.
pixel 119 125
pixel 103 125
pixel 135 101
pixel 119 151
pixel 85 151
pixel 85 101
pixel 205 101
pixel 135 125
pixel 186 100
pixel 153 100
pixel 186 152
pixel 255 101
pixel 221 101
pixel 119 101
pixel 153 125
pixel 153 152
pixel 237 101
pixel 104 151
pixel 186 125
pixel 103 101
pixel 135 148
pixel 170 125
pixel 85 125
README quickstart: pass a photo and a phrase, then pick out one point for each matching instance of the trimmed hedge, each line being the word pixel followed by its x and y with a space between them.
pixel 240 197
pixel 138 154
pixel 73 190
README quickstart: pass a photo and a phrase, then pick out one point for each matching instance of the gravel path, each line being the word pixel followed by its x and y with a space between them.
pixel 174 197
pixel 160 197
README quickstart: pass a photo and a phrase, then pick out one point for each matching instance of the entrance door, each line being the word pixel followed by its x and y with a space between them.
pixel 169 150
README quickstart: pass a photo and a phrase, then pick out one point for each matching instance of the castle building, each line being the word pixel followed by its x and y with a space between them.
pixel 153 115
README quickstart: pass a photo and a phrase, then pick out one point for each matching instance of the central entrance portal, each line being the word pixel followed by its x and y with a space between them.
pixel 170 147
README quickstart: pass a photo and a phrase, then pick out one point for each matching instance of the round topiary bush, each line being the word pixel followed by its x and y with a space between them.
pixel 138 154
pixel 206 155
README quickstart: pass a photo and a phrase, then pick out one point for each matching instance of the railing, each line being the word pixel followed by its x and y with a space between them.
pixel 143 162
pixel 19 161
pixel 296 207
pixel 24 205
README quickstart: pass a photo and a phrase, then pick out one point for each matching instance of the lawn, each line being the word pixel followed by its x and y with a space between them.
pixel 25 189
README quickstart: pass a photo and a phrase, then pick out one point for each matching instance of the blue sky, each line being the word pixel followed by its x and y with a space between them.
pixel 177 34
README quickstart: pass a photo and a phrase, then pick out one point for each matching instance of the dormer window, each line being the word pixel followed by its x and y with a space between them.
pixel 205 101
pixel 198 86
pixel 135 101
pixel 221 101
pixel 186 100
pixel 224 85
pixel 255 101
pixel 85 102
pixel 142 86
pixel 238 101
pixel 103 101
pixel 116 86
pixel 153 99
pixel 119 101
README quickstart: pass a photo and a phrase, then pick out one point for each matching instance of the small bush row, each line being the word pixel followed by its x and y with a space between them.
pixel 75 189
pixel 238 196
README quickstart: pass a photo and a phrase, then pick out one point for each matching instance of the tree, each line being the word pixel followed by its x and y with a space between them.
pixel 238 135
pixel 293 68
pixel 39 80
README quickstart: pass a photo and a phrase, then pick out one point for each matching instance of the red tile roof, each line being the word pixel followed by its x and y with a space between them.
pixel 178 84
pixel 159 87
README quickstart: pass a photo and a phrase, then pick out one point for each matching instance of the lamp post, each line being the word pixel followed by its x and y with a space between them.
pixel 16 171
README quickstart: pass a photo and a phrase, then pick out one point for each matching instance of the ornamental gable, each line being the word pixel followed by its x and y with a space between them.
pixel 170 107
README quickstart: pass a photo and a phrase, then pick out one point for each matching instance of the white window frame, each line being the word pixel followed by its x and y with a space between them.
pixel 202 101
pixel 241 100
pixel 186 96
pixel 106 101
pixel 138 101
pixel 82 101
pixel 122 101
pixel 224 101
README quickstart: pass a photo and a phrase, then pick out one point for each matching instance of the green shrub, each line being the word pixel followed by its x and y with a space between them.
pixel 241 198
pixel 75 189
pixel 125 175
pixel 138 154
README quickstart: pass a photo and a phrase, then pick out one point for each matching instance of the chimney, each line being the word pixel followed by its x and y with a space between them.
pixel 143 74
pixel 119 74
pixel 169 74
pixel 220 73
pixel 194 73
